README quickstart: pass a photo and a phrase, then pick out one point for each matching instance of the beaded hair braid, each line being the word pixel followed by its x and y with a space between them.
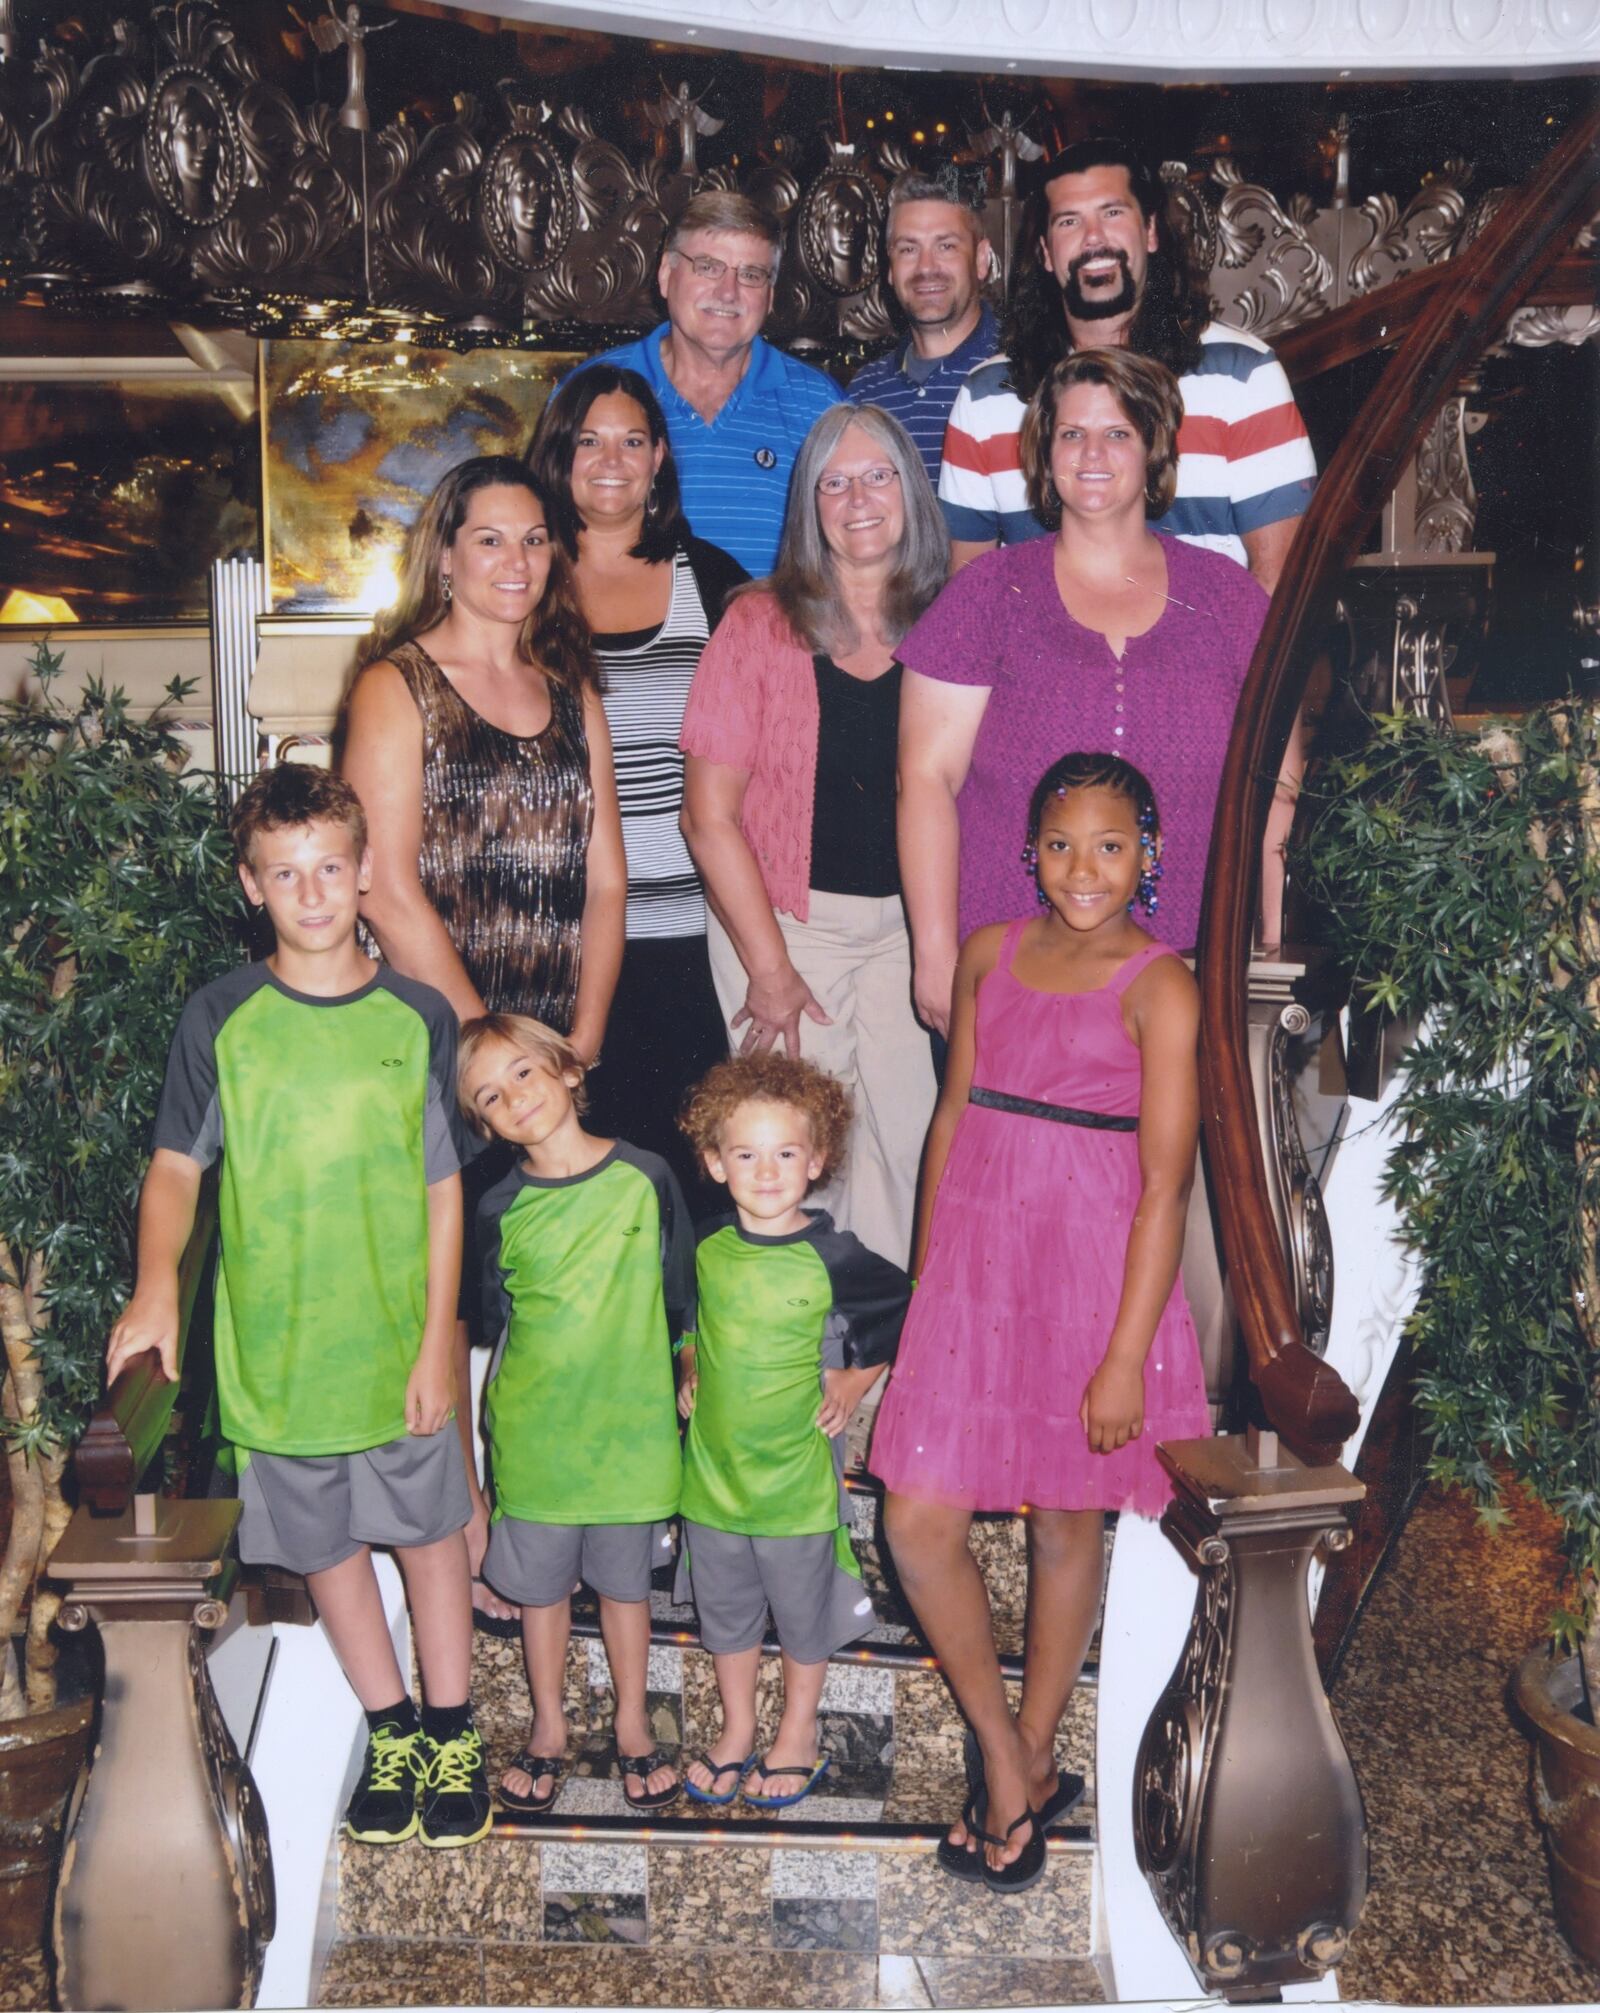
pixel 1100 772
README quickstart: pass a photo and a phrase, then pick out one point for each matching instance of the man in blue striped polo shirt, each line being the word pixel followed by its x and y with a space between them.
pixel 737 409
pixel 939 257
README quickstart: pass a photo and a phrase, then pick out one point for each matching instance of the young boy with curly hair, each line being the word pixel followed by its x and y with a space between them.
pixel 789 1307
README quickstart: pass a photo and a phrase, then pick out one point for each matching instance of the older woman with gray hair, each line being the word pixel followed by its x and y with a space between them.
pixel 789 799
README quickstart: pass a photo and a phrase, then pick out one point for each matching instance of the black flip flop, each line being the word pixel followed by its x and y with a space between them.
pixel 507 1627
pixel 1029 1864
pixel 960 1861
pixel 1062 1801
pixel 644 1765
pixel 534 1765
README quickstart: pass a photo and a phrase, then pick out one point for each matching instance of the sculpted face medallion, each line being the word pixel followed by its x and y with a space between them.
pixel 841 225
pixel 527 208
pixel 190 147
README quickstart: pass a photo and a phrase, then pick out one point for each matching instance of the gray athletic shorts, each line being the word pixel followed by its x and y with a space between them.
pixel 307 1512
pixel 817 1607
pixel 537 1565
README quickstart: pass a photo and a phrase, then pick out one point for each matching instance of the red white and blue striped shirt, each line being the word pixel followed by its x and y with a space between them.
pixel 1244 457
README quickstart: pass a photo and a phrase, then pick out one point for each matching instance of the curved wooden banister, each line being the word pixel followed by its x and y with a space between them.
pixel 1465 305
pixel 129 1424
pixel 1382 317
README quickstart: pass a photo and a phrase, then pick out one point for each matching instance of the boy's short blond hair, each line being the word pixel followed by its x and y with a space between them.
pixel 531 1037
pixel 770 1079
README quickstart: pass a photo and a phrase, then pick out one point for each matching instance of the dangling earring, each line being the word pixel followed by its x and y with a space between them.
pixel 445 588
pixel 1145 894
pixel 650 500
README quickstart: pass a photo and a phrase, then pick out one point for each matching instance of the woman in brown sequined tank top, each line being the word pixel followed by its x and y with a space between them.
pixel 477 742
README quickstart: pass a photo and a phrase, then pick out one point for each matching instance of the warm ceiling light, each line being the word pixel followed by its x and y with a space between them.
pixel 20 606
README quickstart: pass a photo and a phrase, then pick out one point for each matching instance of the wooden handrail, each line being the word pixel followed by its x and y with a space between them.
pixel 1384 316
pixel 1460 312
pixel 130 1423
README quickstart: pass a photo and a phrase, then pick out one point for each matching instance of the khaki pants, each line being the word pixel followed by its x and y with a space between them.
pixel 855 955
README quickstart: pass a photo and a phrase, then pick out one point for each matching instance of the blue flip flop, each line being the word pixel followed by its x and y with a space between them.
pixel 717 1769
pixel 813 1775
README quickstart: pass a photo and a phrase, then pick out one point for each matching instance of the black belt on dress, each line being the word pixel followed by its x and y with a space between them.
pixel 1063 1114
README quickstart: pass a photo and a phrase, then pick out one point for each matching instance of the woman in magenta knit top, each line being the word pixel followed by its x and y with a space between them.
pixel 1106 637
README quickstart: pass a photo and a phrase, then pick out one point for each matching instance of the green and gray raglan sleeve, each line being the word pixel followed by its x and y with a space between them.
pixel 189 1116
pixel 870 1298
pixel 447 1145
pixel 677 1238
pixel 494 1293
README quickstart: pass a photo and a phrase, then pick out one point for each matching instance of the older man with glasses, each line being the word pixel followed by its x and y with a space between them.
pixel 737 409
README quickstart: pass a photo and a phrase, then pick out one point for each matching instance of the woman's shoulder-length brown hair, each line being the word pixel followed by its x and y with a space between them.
pixel 555 635
pixel 1148 394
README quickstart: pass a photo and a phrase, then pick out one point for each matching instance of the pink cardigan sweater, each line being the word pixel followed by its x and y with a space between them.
pixel 753 706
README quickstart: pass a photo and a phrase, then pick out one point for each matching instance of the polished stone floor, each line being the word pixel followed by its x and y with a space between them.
pixel 1459 1910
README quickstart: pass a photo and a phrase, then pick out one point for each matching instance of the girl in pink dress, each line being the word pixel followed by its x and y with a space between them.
pixel 1049 1345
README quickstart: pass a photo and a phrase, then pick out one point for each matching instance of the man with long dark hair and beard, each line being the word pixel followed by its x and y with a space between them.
pixel 1104 278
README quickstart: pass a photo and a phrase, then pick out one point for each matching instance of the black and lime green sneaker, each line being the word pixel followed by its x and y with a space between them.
pixel 383 1809
pixel 455 1805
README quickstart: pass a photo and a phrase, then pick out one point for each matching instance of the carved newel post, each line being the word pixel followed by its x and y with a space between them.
pixel 1247 1819
pixel 165 1895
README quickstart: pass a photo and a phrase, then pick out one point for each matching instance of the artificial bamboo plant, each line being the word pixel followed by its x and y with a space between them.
pixel 116 901
pixel 1461 873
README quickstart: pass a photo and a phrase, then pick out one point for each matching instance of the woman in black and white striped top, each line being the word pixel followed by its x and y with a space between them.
pixel 652 593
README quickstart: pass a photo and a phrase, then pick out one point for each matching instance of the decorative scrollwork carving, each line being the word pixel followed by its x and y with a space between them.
pixel 1422 654
pixel 1427 230
pixel 1310 1239
pixel 1295 276
pixel 1175 1752
pixel 165 169
pixel 622 218
pixel 1447 503
pixel 1542 328
pixel 1191 214
pixel 244 1819
pixel 299 212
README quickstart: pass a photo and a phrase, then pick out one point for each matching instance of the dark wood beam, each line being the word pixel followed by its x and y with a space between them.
pixel 1382 318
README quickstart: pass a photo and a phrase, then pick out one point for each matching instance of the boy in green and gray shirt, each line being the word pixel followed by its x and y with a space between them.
pixel 588 1257
pixel 791 1311
pixel 325 1083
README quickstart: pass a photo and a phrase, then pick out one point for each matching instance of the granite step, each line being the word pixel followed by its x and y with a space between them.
pixel 837 1901
pixel 893 1733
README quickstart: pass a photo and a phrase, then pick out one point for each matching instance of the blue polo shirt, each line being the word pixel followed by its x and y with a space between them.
pixel 734 473
pixel 920 395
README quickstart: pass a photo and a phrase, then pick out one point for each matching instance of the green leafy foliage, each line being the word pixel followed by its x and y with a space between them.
pixel 1463 879
pixel 117 900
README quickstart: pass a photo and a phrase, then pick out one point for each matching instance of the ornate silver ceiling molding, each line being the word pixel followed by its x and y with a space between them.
pixel 1177 41
pixel 160 172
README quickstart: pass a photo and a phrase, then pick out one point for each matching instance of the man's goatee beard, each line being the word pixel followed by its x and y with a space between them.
pixel 1102 308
